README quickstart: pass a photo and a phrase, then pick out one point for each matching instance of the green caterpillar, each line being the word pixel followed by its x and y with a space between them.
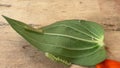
pixel 77 42
pixel 52 57
pixel 29 28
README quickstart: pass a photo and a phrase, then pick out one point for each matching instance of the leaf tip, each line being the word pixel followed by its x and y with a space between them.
pixel 4 16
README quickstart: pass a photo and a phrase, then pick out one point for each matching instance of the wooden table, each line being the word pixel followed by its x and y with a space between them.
pixel 15 52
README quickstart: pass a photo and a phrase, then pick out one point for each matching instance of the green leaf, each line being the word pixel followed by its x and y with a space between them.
pixel 69 41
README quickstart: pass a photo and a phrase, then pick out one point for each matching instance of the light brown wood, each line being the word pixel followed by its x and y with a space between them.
pixel 15 52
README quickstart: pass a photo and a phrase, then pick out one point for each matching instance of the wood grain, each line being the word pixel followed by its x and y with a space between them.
pixel 15 52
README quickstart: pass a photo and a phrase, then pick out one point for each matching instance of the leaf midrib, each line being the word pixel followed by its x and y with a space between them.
pixel 76 30
pixel 58 46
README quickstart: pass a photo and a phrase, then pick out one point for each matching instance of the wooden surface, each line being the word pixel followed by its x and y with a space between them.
pixel 15 52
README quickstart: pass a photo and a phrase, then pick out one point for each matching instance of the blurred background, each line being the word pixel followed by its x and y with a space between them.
pixel 15 52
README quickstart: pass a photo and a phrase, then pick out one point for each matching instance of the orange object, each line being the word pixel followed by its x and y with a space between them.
pixel 108 64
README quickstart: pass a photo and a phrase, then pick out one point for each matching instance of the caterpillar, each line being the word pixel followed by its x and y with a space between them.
pixel 54 58
pixel 75 41
pixel 29 28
